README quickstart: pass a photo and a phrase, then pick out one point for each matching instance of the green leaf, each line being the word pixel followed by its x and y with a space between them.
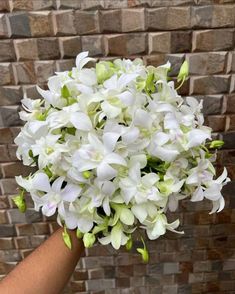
pixel 66 238
pixel 65 92
pixel 20 202
pixel 48 171
pixel 143 251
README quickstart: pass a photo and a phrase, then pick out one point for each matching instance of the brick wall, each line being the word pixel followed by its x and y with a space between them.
pixel 38 37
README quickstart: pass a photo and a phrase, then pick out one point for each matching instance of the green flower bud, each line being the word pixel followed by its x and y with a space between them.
pixel 184 71
pixel 88 240
pixel 20 202
pixel 65 92
pixel 129 244
pixel 216 144
pixel 79 234
pixel 66 238
pixel 144 253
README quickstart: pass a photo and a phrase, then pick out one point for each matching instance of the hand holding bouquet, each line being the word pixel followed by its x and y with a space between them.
pixel 115 147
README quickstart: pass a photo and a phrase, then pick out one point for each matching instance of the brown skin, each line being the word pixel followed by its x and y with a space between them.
pixel 47 269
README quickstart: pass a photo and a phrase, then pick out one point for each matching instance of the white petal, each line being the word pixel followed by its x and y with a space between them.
pixel 115 158
pixel 196 137
pixel 70 192
pixel 41 182
pixel 82 59
pixel 126 216
pixel 49 209
pixel 105 171
pixel 110 140
pixel 116 237
pixel 81 121
pixel 140 212
pixel 56 186
pixel 197 195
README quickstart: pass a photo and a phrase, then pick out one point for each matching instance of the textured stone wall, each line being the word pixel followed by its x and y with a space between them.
pixel 39 37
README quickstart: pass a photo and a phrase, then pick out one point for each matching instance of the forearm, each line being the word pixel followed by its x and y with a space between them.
pixel 47 269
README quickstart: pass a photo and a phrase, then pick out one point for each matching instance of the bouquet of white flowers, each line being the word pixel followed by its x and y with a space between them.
pixel 115 146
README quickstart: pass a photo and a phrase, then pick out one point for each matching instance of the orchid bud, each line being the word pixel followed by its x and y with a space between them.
pixel 184 71
pixel 88 240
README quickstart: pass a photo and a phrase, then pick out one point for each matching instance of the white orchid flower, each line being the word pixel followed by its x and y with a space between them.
pixel 99 155
pixel 116 237
pixel 48 150
pixel 69 116
pixel 139 188
pixel 54 194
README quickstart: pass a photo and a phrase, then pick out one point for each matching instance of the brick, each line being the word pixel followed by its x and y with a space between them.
pixel 110 4
pixel 22 242
pixel 212 40
pixel 24 229
pixel 80 274
pixel 206 63
pixel 26 49
pixel 78 286
pixel 229 264
pixel 125 45
pixel 6 74
pixel 230 103
pixel 4 156
pixel 8 186
pixel 110 21
pixel 9 116
pixel 68 4
pixel 5 136
pixel 133 20
pixel 12 152
pixel 181 41
pixel 176 61
pixel 40 23
pixel 7 51
pixel 64 23
pixel 171 267
pixel 96 273
pixel 171 18
pixel 160 42
pixel 19 24
pixel 201 16
pixel 62 65
pixel 24 72
pixel 7 231
pixel 92 5
pixel 232 84
pixel 70 46
pixel 43 70
pixel 21 5
pixel 3 26
pixel 87 22
pixel 3 217
pixel 99 284
pixel 93 44
pixel 231 62
pixel 4 5
pixel 10 255
pixel 6 243
pixel 12 169
pixel 31 91
pixel 229 139
pixel 15 216
pixel 43 5
pixel 172 289
pixel 223 16
pixel 37 240
pixel 212 104
pixel 209 84
pixel 96 261
pixel 216 122
pixel 48 48
pixel 10 95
